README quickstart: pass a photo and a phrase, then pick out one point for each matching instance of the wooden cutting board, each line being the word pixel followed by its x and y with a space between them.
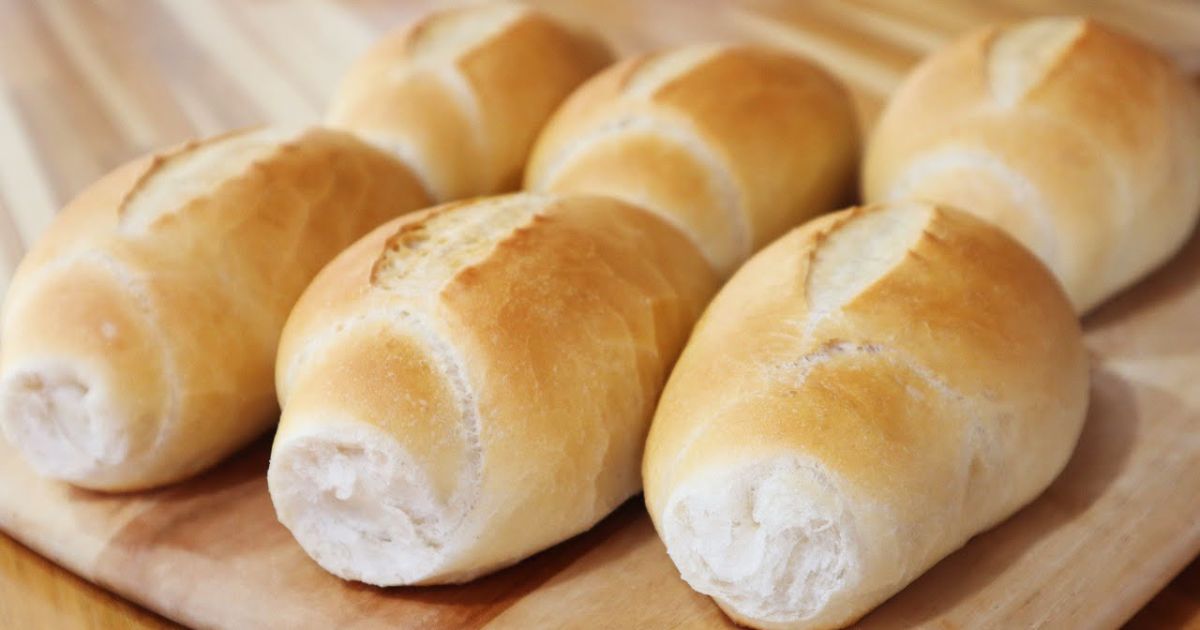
pixel 1121 520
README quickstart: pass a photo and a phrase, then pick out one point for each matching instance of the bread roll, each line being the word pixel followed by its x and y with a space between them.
pixel 1082 143
pixel 731 144
pixel 461 95
pixel 864 395
pixel 139 332
pixel 473 383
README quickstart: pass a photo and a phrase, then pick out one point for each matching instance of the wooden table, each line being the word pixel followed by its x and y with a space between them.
pixel 88 84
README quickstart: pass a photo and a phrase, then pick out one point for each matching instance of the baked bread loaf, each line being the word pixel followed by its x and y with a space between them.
pixel 864 395
pixel 461 95
pixel 470 384
pixel 1082 143
pixel 731 144
pixel 140 331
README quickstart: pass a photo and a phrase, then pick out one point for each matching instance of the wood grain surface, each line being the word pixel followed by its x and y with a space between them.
pixel 88 84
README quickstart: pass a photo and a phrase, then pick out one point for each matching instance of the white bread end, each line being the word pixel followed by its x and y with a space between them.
pixel 772 542
pixel 360 506
pixel 64 421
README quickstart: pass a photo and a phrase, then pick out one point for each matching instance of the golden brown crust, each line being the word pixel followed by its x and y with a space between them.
pixel 1082 143
pixel 932 378
pixel 686 112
